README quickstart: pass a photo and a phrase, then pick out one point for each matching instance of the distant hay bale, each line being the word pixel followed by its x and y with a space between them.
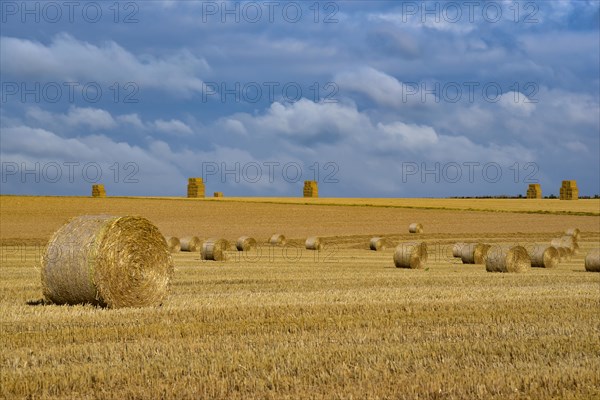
pixel 218 194
pixel 245 243
pixel 377 244
pixel 277 240
pixel 98 191
pixel 174 244
pixel 534 191
pixel 311 189
pixel 107 261
pixel 314 243
pixel 507 259
pixel 214 249
pixel 191 243
pixel 576 233
pixel 195 188
pixel 411 255
pixel 474 253
pixel 415 228
pixel 592 261
pixel 457 249
pixel 544 256
pixel 566 241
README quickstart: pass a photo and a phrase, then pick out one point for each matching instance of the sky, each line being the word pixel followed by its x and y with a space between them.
pixel 369 98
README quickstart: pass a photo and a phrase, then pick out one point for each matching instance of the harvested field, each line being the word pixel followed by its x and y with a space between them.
pixel 285 322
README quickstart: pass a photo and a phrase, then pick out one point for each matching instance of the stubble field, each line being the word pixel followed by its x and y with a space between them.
pixel 291 323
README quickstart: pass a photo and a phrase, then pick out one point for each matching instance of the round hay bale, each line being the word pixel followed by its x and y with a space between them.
pixel 277 240
pixel 566 241
pixel 411 255
pixel 457 249
pixel 214 249
pixel 191 243
pixel 415 227
pixel 592 261
pixel 174 244
pixel 107 261
pixel 245 243
pixel 507 259
pixel 544 256
pixel 564 253
pixel 474 253
pixel 377 244
pixel 576 233
pixel 314 243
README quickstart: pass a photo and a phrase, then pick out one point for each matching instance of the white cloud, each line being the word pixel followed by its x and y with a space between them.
pixel 93 118
pixel 516 102
pixel 131 119
pixel 72 60
pixel 174 127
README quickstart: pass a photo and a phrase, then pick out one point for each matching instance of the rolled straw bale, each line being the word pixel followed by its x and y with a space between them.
pixel 214 249
pixel 314 243
pixel 377 244
pixel 592 261
pixel 564 253
pixel 544 256
pixel 191 243
pixel 576 233
pixel 411 255
pixel 245 243
pixel 415 227
pixel 278 240
pixel 474 253
pixel 566 241
pixel 457 249
pixel 507 259
pixel 174 244
pixel 107 261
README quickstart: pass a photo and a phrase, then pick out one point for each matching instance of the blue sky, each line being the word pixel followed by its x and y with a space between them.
pixel 378 99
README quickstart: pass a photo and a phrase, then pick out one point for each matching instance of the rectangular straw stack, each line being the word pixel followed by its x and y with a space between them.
pixel 98 191
pixel 311 189
pixel 569 190
pixel 534 191
pixel 195 188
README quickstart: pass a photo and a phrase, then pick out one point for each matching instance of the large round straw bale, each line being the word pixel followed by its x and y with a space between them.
pixel 174 244
pixel 564 253
pixel 107 261
pixel 474 253
pixel 544 256
pixel 576 233
pixel 457 249
pixel 314 243
pixel 415 227
pixel 245 243
pixel 191 243
pixel 592 261
pixel 507 259
pixel 214 249
pixel 566 241
pixel 278 240
pixel 377 244
pixel 411 255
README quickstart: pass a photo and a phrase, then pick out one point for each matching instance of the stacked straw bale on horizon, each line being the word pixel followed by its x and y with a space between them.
pixel 534 191
pixel 98 191
pixel 311 189
pixel 195 188
pixel 569 191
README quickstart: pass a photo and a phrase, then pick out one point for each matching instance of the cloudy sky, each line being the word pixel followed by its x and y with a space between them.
pixel 378 99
